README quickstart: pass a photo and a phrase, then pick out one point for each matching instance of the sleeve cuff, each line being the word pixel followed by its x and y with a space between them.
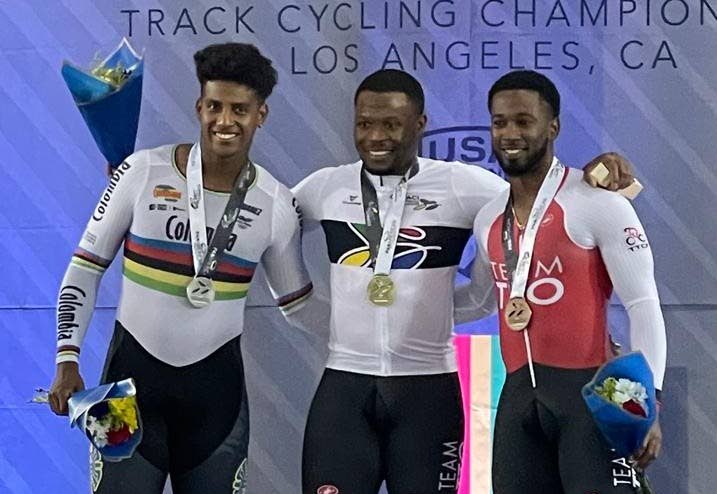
pixel 67 354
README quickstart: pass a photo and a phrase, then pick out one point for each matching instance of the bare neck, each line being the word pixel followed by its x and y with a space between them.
pixel 524 189
pixel 217 174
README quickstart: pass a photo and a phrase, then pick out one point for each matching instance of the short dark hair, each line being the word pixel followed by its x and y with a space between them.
pixel 392 80
pixel 530 80
pixel 236 62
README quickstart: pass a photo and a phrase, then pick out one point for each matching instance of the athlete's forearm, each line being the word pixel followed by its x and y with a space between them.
pixel 477 299
pixel 75 305
pixel 647 334
pixel 628 258
pixel 473 302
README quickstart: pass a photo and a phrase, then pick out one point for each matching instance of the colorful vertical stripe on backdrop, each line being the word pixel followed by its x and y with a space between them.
pixel 482 374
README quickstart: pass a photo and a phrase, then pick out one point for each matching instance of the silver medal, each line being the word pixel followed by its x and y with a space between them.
pixel 200 292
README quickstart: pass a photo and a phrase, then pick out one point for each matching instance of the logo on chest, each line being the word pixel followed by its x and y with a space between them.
pixel 545 288
pixel 420 204
pixel 166 192
pixel 352 200
pixel 178 230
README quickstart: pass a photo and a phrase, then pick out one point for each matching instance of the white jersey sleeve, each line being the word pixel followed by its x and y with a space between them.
pixel 283 263
pixel 474 187
pixel 310 196
pixel 101 239
pixel 608 221
pixel 478 299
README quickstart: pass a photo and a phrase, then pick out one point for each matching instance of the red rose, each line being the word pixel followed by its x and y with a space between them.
pixel 634 407
pixel 118 436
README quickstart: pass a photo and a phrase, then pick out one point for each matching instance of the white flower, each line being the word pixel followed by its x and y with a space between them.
pixel 97 430
pixel 627 390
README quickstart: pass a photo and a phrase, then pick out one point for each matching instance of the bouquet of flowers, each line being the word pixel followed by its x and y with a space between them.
pixel 109 96
pixel 621 399
pixel 109 417
pixel 112 422
pixel 629 395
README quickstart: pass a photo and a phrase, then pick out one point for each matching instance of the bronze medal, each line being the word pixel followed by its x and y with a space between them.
pixel 517 314
pixel 381 290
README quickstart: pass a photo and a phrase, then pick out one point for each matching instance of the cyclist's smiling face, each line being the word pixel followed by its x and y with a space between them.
pixel 229 114
pixel 387 128
pixel 522 130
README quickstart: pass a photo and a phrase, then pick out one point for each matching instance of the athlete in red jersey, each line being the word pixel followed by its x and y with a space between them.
pixel 588 242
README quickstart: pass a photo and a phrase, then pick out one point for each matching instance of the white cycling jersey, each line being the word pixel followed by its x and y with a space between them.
pixel 145 206
pixel 413 335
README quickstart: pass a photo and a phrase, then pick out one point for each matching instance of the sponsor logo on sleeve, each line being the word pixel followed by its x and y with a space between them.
pixel 107 194
pixel 635 239
pixel 89 237
pixel 72 298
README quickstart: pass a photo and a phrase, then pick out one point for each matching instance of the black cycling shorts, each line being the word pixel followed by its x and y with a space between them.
pixel 362 430
pixel 546 441
pixel 195 422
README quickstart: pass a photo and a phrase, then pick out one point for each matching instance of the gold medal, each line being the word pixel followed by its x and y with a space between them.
pixel 517 314
pixel 381 290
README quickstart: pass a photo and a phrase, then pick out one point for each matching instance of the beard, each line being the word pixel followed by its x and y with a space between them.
pixel 523 166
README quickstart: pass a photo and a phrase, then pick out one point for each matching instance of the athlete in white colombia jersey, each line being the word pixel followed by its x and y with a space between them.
pixel 388 406
pixel 146 207
pixel 186 361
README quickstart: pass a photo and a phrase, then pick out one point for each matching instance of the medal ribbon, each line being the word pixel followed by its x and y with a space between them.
pixel 518 265
pixel 205 257
pixel 382 240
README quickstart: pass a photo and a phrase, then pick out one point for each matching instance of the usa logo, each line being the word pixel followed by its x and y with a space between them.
pixel 466 143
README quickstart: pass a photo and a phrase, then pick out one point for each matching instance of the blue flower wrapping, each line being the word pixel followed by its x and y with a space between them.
pixel 623 430
pixel 111 112
pixel 82 402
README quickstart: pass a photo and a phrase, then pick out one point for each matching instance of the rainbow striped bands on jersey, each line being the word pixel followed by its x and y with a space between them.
pixel 288 302
pixel 167 267
pixel 89 261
